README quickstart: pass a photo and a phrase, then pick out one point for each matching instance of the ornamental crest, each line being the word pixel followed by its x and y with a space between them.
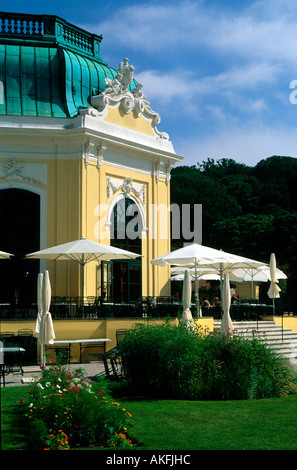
pixel 117 93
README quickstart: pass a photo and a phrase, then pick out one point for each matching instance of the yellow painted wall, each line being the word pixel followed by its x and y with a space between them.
pixel 87 329
pixel 74 193
pixel 287 321
pixel 130 120
pixel 75 187
pixel 245 290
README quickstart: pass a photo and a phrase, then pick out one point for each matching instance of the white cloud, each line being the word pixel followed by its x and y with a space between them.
pixel 250 34
pixel 227 69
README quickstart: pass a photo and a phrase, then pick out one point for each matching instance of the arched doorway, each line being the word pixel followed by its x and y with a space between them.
pixel 121 279
pixel 19 235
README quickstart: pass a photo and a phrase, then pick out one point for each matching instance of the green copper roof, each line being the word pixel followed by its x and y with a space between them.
pixel 48 67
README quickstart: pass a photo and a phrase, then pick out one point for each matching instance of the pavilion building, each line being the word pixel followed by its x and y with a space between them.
pixel 80 155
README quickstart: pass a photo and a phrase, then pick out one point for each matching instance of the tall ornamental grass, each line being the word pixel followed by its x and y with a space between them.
pixel 172 361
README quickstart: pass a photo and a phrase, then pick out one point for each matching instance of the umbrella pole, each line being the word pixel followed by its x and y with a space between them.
pixel 83 286
pixel 41 355
pixel 197 292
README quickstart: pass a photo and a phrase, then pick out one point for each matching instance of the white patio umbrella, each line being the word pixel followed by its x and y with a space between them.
pixel 46 333
pixel 177 273
pixel 83 251
pixel 261 274
pixel 226 324
pixel 4 255
pixel 274 289
pixel 187 292
pixel 39 303
pixel 198 256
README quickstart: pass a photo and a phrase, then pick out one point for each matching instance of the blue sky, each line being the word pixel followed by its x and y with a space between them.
pixel 218 72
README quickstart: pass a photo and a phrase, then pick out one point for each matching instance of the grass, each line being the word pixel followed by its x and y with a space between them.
pixel 267 424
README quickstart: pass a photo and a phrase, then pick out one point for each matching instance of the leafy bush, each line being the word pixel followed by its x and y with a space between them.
pixel 176 362
pixel 66 410
pixel 161 360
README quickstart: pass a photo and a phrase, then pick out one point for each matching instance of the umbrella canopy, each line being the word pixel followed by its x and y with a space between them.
pixel 83 251
pixel 199 256
pixel 201 273
pixel 187 291
pixel 261 274
pixel 226 324
pixel 39 304
pixel 46 333
pixel 4 255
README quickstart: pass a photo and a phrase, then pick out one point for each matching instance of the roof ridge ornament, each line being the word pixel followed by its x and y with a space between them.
pixel 117 93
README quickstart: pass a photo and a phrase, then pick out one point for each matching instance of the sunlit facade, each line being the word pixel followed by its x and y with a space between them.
pixel 80 148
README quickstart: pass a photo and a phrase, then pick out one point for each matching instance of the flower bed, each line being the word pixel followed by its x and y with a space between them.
pixel 67 411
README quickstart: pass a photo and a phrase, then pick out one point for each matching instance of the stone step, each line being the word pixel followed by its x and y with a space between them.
pixel 281 340
pixel 31 369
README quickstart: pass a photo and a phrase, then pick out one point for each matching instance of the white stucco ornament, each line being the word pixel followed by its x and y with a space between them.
pixel 117 93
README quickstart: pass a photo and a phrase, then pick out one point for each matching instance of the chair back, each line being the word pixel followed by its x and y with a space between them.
pixel 25 332
pixel 120 334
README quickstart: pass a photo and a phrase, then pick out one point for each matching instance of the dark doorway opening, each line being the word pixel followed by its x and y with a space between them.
pixel 126 233
pixel 19 235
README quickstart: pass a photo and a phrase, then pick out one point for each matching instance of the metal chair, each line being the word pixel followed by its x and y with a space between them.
pixel 112 356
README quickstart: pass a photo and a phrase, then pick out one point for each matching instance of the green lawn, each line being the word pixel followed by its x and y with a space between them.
pixel 268 424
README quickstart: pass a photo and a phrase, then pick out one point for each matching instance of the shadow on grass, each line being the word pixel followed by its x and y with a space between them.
pixel 14 428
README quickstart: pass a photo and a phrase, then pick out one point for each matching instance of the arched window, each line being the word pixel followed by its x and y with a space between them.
pixel 121 279
pixel 19 235
pixel 126 226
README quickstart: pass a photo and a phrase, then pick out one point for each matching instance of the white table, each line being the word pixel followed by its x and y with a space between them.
pixel 89 342
pixel 11 349
pixel 9 368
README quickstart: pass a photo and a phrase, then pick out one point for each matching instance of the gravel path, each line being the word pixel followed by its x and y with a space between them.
pixel 11 380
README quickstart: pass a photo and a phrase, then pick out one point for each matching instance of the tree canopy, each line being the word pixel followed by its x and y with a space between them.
pixel 250 211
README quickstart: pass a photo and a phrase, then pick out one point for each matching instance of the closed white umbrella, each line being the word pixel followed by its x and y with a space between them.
pixel 39 303
pixel 46 334
pixel 226 324
pixel 187 292
pixel 274 289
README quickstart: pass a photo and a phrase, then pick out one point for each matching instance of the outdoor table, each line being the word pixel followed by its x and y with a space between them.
pixel 6 350
pixel 89 342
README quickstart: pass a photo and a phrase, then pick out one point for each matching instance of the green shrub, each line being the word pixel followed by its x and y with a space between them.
pixel 176 362
pixel 161 360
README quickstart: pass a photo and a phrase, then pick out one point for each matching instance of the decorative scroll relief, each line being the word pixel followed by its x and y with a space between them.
pixel 117 94
pixel 14 174
pixel 127 186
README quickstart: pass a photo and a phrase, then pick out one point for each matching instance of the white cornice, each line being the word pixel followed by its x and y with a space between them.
pixel 81 127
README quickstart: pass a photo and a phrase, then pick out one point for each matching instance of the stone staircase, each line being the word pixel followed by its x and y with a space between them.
pixel 282 340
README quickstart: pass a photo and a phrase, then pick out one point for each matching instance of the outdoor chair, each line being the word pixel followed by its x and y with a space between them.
pixel 25 332
pixel 111 359
pixel 5 334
